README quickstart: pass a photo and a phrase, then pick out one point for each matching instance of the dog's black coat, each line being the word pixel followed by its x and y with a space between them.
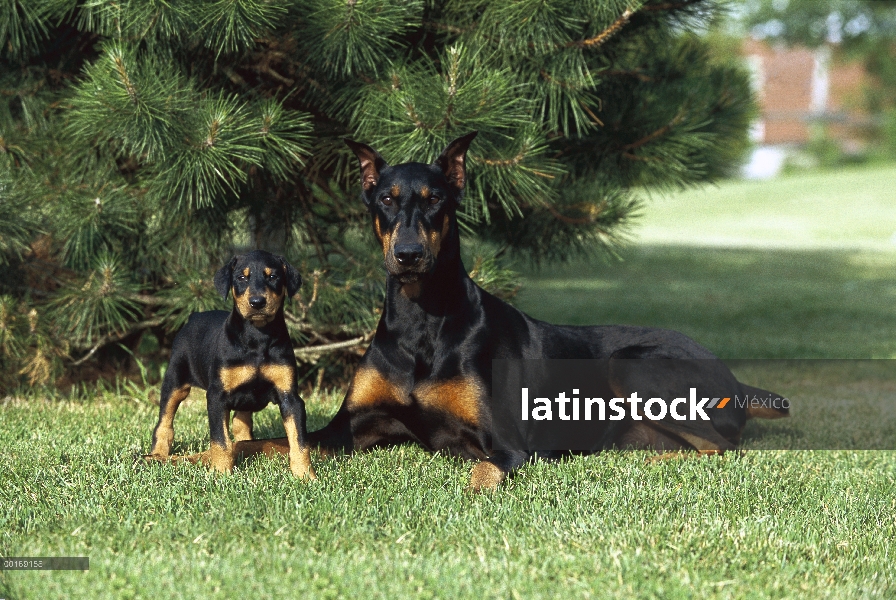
pixel 426 376
pixel 243 359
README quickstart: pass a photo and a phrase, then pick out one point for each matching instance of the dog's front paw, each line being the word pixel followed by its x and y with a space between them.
pixel 300 465
pixel 304 472
pixel 485 476
pixel 220 459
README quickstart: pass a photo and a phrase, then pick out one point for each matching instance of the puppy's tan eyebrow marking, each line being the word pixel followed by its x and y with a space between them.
pixel 395 191
pixel 424 192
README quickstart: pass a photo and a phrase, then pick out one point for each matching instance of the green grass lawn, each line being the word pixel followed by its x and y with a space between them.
pixel 396 522
pixel 852 208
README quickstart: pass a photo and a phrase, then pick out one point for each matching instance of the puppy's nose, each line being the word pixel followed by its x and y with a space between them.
pixel 257 302
pixel 408 254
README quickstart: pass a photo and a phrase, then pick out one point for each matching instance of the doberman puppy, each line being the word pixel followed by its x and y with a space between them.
pixel 243 359
pixel 426 376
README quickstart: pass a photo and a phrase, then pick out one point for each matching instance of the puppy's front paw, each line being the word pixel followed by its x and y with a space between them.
pixel 220 459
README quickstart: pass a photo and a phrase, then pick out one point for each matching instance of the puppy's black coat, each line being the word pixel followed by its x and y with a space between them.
pixel 243 359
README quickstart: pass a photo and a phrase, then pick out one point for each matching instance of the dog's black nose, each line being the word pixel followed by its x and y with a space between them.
pixel 408 254
pixel 257 302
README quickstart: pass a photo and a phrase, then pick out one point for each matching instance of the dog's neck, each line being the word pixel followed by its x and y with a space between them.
pixel 252 336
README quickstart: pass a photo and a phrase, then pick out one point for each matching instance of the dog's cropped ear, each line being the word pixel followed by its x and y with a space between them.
pixel 224 277
pixel 371 163
pixel 453 161
pixel 293 278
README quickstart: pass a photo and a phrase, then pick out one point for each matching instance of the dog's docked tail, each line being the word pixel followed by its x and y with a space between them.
pixel 763 404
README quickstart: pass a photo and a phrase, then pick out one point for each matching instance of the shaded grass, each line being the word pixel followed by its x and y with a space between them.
pixel 835 404
pixel 738 303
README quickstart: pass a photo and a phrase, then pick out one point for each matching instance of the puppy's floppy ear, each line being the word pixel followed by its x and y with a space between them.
pixel 293 278
pixel 453 161
pixel 224 277
pixel 371 164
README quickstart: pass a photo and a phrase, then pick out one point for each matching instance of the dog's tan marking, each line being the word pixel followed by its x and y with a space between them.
pixel 193 459
pixel 242 425
pixel 163 436
pixel 388 238
pixel 242 302
pixel 764 412
pixel 424 192
pixel 385 238
pixel 268 271
pixel 435 236
pixel 411 290
pixel 220 458
pixel 395 191
pixel 370 387
pixel 234 377
pixel 643 436
pixel 272 447
pixel 274 300
pixel 246 272
pixel 700 444
pixel 485 476
pixel 299 456
pixel 458 397
pixel 681 454
pixel 377 229
pixel 282 376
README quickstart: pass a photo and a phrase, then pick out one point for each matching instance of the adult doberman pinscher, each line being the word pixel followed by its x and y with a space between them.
pixel 426 376
pixel 243 359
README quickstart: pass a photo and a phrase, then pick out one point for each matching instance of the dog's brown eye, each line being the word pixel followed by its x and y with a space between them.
pixel 387 200
pixel 434 200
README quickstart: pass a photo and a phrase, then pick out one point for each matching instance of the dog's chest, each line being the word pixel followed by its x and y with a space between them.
pixel 250 383
pixel 460 396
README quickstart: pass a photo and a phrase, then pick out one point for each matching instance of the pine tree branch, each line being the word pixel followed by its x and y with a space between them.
pixel 435 25
pixel 572 220
pixel 315 275
pixel 115 337
pixel 505 162
pixel 151 300
pixel 606 34
pixel 670 5
pixel 311 351
pixel 623 73
pixel 590 113
pixel 653 135
pixel 274 74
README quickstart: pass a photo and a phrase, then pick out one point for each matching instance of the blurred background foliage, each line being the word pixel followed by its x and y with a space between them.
pixel 143 142
pixel 861 31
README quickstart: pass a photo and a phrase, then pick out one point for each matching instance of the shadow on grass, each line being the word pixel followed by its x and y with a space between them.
pixel 739 303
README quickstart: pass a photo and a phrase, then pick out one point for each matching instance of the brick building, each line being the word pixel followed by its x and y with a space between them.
pixel 798 87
